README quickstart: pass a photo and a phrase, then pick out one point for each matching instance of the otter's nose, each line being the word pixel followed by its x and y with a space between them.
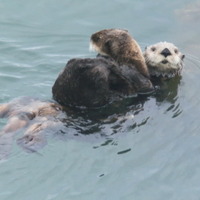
pixel 166 52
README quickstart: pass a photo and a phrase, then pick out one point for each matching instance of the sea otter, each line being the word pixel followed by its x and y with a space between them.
pixel 91 82
pixel 119 70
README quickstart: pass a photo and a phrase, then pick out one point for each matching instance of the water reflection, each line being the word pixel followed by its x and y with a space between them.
pixel 127 115
pixel 167 90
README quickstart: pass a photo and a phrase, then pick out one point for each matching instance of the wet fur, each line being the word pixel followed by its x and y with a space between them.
pixel 96 82
pixel 120 71
pixel 162 65
pixel 119 45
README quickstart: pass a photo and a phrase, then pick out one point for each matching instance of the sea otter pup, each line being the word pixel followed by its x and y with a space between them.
pixel 119 45
pixel 119 70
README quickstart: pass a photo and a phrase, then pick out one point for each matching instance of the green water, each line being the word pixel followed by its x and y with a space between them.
pixel 149 151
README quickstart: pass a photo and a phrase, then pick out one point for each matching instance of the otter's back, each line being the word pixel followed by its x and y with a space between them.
pixel 83 82
pixel 96 82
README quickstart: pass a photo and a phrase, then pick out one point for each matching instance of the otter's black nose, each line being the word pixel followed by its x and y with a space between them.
pixel 166 52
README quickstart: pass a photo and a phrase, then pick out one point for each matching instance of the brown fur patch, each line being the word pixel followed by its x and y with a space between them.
pixel 119 45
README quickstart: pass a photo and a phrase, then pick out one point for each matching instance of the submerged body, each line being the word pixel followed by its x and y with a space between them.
pixel 32 114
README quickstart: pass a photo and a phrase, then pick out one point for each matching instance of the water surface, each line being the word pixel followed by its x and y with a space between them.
pixel 146 149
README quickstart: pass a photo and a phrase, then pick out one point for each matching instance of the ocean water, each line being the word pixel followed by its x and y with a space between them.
pixel 135 150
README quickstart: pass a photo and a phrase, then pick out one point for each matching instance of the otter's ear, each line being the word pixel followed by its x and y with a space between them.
pixel 182 57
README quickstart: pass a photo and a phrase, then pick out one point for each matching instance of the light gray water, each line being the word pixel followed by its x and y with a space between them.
pixel 149 151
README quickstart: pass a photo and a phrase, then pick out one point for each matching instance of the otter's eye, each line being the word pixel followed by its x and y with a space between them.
pixel 176 51
pixel 153 48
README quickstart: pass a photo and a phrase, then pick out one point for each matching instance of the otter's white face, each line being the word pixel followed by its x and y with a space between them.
pixel 164 59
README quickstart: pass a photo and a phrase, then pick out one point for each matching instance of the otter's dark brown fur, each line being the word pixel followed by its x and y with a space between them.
pixel 96 82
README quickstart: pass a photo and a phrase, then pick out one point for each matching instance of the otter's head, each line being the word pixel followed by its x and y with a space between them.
pixel 110 42
pixel 164 60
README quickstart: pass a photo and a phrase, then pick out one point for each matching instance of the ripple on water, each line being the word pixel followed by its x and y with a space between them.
pixel 10 77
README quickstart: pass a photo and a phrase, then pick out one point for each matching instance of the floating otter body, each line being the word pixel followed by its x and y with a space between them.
pixel 119 71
